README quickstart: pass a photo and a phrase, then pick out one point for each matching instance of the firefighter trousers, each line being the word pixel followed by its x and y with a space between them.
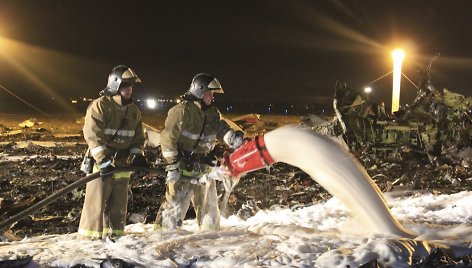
pixel 179 194
pixel 105 207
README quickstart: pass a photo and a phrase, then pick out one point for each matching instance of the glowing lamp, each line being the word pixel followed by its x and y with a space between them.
pixel 151 103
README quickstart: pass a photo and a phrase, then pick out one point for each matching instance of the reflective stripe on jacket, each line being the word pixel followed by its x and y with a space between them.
pixel 103 119
pixel 183 126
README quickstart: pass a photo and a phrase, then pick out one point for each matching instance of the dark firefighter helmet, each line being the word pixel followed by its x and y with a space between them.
pixel 202 83
pixel 120 76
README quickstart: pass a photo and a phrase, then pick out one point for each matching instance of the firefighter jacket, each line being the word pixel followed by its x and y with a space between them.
pixel 189 129
pixel 111 126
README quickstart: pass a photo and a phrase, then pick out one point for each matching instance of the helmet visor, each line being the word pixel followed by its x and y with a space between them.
pixel 130 75
pixel 215 86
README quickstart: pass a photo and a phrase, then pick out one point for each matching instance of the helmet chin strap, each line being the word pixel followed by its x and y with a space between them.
pixel 190 97
pixel 105 92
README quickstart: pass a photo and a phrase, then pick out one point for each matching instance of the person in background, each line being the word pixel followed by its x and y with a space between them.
pixel 191 130
pixel 113 130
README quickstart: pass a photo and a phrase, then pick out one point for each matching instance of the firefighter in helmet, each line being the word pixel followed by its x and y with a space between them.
pixel 192 128
pixel 114 134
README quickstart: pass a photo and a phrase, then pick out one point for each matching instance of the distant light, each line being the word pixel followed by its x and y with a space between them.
pixel 367 90
pixel 151 103
pixel 178 100
pixel 73 101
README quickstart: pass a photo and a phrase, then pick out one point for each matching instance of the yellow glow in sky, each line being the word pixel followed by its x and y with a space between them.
pixel 37 65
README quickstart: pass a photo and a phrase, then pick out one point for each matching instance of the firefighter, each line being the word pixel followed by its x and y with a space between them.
pixel 113 130
pixel 189 136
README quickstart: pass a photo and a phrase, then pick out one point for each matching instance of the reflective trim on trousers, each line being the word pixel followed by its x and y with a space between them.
pixel 121 175
pixel 90 233
pixel 107 231
pixel 158 227
pixel 195 173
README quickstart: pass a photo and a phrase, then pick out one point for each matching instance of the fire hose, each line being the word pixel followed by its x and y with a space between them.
pixel 4 224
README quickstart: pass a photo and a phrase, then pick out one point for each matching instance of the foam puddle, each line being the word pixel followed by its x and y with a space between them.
pixel 338 172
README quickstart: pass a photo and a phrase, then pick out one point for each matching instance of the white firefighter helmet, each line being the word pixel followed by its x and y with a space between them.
pixel 120 76
pixel 202 83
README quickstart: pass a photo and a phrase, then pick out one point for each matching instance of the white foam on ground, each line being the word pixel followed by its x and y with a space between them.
pixel 320 235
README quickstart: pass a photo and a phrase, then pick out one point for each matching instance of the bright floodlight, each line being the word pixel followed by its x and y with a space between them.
pixel 367 90
pixel 151 103
pixel 397 56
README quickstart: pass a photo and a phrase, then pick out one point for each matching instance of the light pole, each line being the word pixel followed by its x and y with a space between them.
pixel 397 56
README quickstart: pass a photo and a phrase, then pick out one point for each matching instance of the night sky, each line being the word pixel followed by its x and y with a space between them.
pixel 261 51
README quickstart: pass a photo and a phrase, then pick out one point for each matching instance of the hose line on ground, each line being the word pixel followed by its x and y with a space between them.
pixel 6 223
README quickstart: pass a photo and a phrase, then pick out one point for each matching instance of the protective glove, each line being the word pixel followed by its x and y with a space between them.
pixel 234 138
pixel 173 172
pixel 138 160
pixel 173 175
pixel 218 173
pixel 106 168
pixel 238 139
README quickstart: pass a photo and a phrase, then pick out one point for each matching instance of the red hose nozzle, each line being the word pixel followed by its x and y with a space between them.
pixel 251 156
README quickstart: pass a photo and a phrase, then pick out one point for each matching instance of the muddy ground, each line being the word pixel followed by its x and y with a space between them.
pixel 38 160
pixel 39 156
